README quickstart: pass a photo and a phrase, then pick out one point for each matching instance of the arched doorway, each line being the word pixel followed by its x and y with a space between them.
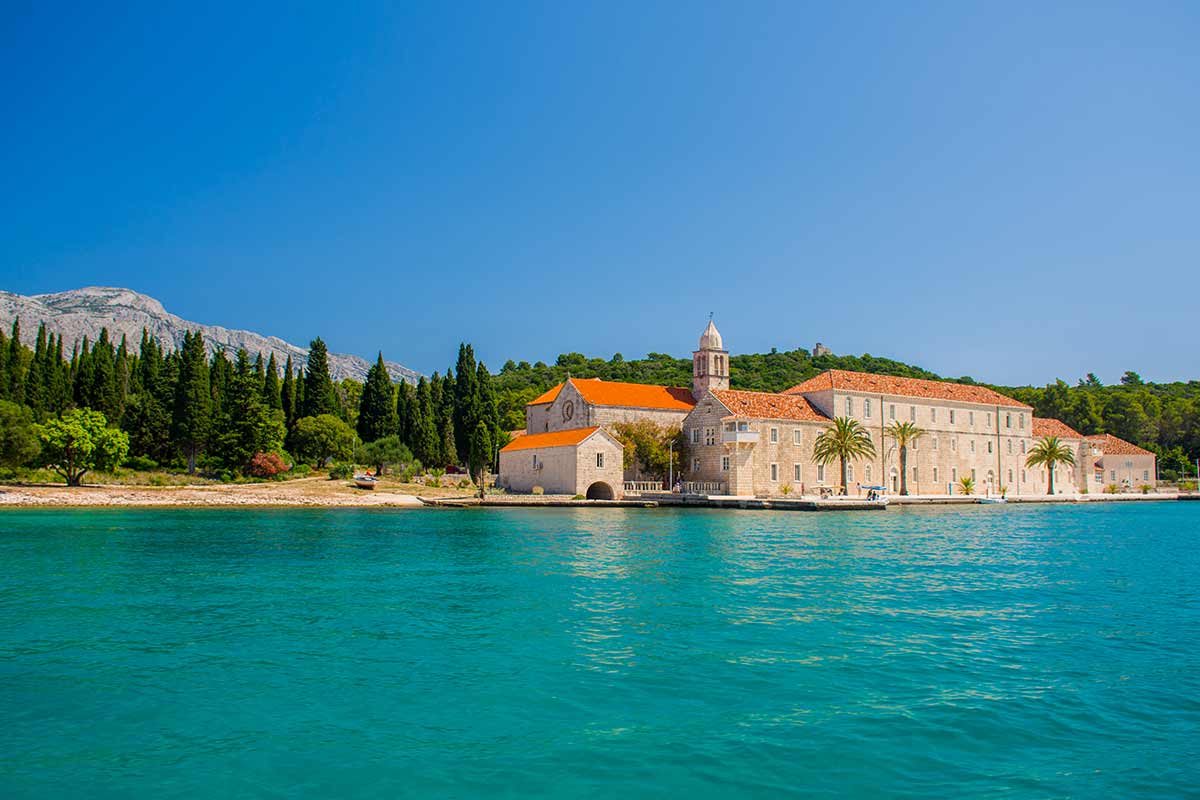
pixel 895 481
pixel 600 491
pixel 991 482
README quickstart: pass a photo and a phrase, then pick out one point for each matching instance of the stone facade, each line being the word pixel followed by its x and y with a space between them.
pixel 588 463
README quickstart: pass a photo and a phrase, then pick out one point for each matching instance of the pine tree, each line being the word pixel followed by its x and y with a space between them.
pixel 486 408
pixel 406 414
pixel 248 426
pixel 193 399
pixel 271 385
pixel 480 453
pixel 377 408
pixel 36 379
pixel 319 395
pixel 103 395
pixel 4 377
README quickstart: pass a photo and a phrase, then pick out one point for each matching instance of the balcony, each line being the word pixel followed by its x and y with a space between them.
pixel 739 437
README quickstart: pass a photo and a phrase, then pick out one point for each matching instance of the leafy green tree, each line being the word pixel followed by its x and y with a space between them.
pixel 648 447
pixel 192 413
pixel 385 452
pixel 480 455
pixel 319 395
pixel 904 434
pixel 18 437
pixel 1049 452
pixel 1083 413
pixel 248 425
pixel 846 441
pixel 79 441
pixel 323 437
pixel 377 408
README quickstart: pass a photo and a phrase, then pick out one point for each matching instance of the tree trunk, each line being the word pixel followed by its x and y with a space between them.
pixel 903 470
pixel 845 478
pixel 1050 475
pixel 192 460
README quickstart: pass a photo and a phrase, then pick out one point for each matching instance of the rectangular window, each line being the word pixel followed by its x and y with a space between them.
pixel 600 460
pixel 798 475
pixel 1010 476
pixel 1022 476
pixel 695 436
pixel 914 474
pixel 912 413
pixel 1008 420
pixel 849 472
pixel 971 418
pixel 988 421
pixel 867 408
pixel 972 474
pixel 797 437
pixel 954 474
pixel 695 465
pixel 1112 475
pixel 952 416
pixel 849 406
pixel 914 444
pixel 820 473
pixel 972 443
pixel 954 445
pixel 867 473
pixel 725 463
pixel 710 436
pixel 989 446
pixel 933 415
pixel 1022 447
pixel 774 472
pixel 1021 421
pixel 1145 474
pixel 774 435
pixel 1010 447
pixel 892 411
pixel 935 443
pixel 935 474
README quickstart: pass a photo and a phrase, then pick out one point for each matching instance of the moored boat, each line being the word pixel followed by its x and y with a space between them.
pixel 365 481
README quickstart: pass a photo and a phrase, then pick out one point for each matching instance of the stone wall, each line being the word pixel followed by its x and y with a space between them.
pixel 566 469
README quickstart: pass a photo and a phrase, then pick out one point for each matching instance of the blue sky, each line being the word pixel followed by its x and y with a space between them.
pixel 1010 191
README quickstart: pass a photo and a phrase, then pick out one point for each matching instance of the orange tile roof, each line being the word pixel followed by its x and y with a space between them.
pixel 628 395
pixel 547 396
pixel 1112 446
pixel 565 438
pixel 902 387
pixel 761 405
pixel 1045 426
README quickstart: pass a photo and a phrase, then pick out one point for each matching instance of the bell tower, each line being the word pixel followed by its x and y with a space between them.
pixel 710 364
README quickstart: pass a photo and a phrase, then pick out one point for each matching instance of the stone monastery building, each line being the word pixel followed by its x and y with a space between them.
pixel 759 444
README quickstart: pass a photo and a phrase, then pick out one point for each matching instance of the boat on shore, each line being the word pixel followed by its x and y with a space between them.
pixel 365 481
pixel 988 500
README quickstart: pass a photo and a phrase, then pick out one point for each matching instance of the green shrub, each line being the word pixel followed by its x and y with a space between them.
pixel 1112 488
pixel 579 497
pixel 538 490
pixel 140 463
pixel 1146 488
pixel 300 471
pixel 340 472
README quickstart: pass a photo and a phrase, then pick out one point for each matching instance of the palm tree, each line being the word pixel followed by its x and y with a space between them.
pixel 966 484
pixel 904 434
pixel 846 441
pixel 1049 453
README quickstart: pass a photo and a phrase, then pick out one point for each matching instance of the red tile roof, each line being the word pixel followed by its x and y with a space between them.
pixel 627 395
pixel 1045 426
pixel 902 387
pixel 565 438
pixel 1112 446
pixel 761 405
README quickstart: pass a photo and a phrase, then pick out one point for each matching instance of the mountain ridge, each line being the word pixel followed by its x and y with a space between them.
pixel 77 313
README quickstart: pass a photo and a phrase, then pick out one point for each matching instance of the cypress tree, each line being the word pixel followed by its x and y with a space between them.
pixel 35 381
pixel 465 396
pixel 4 379
pixel 193 399
pixel 377 407
pixel 271 385
pixel 406 414
pixel 16 365
pixel 287 395
pixel 480 453
pixel 319 395
pixel 426 443
pixel 486 407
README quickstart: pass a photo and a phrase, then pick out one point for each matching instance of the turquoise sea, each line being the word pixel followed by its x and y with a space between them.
pixel 983 652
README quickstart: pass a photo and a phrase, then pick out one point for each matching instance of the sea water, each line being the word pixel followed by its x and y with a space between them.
pixel 961 652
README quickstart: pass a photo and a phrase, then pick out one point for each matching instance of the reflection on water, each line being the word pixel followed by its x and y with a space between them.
pixel 1017 652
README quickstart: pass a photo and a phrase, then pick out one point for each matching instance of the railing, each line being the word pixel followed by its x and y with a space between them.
pixel 643 486
pixel 703 487
pixel 739 437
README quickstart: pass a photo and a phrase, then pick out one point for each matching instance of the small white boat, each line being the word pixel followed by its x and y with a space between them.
pixel 992 500
pixel 365 481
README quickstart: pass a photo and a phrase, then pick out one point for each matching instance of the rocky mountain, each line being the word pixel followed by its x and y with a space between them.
pixel 83 312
